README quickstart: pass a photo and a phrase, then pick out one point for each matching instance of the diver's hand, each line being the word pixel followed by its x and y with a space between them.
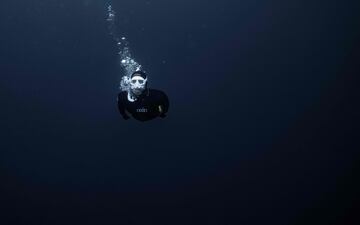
pixel 161 111
pixel 160 107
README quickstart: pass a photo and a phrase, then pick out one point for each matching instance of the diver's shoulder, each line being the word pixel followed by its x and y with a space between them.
pixel 156 92
pixel 158 95
pixel 122 95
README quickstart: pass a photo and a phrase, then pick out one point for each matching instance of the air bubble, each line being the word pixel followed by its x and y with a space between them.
pixel 127 62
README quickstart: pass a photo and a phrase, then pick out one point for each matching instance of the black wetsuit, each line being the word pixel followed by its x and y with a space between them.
pixel 149 105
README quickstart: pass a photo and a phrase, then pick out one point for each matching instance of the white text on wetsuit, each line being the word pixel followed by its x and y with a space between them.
pixel 143 110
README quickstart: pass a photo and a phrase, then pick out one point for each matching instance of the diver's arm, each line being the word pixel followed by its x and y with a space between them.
pixel 122 109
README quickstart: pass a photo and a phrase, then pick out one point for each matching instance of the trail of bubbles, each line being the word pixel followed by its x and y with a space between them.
pixel 127 61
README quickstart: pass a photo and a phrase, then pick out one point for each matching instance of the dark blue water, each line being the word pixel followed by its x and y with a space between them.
pixel 261 127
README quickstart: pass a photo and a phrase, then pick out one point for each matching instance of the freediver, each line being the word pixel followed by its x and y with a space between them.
pixel 141 102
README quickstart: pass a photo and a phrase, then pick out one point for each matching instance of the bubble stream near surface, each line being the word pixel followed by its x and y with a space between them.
pixel 128 63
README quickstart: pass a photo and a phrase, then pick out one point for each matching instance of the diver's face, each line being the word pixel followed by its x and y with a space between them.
pixel 137 85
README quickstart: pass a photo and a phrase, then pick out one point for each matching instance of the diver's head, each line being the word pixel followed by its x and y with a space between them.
pixel 138 82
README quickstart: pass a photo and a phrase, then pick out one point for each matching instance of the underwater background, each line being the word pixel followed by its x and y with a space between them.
pixel 262 126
